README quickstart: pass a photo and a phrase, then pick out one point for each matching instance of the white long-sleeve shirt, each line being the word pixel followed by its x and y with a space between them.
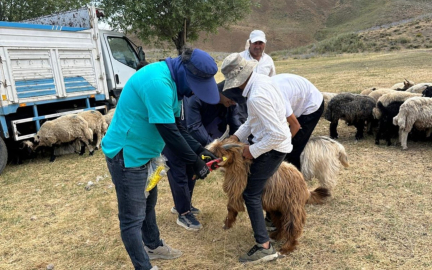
pixel 265 64
pixel 266 117
pixel 300 95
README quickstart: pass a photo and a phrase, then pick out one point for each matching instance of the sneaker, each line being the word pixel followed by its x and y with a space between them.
pixel 194 210
pixel 154 268
pixel 189 222
pixel 259 254
pixel 269 225
pixel 163 252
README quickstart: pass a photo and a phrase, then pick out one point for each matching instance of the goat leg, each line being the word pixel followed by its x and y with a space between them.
pixel 231 218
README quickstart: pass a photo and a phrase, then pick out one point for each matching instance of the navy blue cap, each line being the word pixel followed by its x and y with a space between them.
pixel 200 71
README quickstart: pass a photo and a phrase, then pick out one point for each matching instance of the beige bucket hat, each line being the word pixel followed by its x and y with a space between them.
pixel 236 70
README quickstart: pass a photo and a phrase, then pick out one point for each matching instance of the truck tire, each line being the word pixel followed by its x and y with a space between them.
pixel 3 155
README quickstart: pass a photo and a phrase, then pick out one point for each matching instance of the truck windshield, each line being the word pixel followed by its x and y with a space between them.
pixel 123 51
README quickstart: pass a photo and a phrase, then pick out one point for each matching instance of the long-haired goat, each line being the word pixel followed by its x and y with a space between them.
pixel 284 196
pixel 322 159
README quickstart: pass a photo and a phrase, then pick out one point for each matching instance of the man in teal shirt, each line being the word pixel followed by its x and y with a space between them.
pixel 147 118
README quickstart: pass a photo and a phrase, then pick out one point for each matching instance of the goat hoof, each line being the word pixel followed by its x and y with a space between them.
pixel 377 142
pixel 91 153
pixel 81 153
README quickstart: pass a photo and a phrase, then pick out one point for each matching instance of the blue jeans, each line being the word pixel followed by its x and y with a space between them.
pixel 136 213
pixel 180 179
pixel 261 170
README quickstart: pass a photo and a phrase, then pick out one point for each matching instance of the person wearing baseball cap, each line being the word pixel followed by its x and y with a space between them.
pixel 146 119
pixel 254 50
pixel 271 142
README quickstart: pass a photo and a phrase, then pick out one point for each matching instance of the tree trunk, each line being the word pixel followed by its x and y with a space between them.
pixel 180 39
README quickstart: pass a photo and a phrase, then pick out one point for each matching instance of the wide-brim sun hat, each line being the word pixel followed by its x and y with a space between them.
pixel 236 70
pixel 200 71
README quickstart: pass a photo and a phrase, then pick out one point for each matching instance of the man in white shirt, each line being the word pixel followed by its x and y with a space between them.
pixel 304 106
pixel 255 46
pixel 272 140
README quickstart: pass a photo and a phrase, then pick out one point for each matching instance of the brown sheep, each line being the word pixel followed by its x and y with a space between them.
pixel 284 196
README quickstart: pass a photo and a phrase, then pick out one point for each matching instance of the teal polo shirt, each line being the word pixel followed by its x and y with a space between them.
pixel 148 98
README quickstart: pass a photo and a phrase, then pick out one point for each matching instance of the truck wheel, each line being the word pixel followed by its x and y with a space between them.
pixel 3 155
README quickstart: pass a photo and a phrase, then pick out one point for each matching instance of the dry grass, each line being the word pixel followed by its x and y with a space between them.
pixel 379 218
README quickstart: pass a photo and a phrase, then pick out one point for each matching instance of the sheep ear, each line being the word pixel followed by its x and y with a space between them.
pixel 230 145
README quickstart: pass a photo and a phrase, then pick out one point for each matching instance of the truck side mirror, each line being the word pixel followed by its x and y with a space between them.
pixel 141 54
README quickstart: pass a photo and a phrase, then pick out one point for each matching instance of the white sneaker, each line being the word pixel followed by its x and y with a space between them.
pixel 163 252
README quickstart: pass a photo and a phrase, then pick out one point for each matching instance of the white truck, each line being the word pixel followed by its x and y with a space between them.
pixel 56 65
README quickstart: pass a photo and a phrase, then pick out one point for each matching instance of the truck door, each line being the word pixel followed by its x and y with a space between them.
pixel 124 59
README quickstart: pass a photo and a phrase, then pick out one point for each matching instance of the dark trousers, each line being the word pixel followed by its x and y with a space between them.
pixel 136 213
pixel 180 179
pixel 308 124
pixel 261 170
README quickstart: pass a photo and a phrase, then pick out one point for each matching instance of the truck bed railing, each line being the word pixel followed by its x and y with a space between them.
pixel 37 118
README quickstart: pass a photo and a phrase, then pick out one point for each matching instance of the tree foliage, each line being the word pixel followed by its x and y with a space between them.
pixel 18 10
pixel 175 21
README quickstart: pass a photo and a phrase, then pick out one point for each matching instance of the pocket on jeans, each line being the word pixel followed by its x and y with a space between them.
pixel 136 169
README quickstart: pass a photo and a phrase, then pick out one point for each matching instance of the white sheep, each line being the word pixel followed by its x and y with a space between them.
pixel 418 88
pixel 109 115
pixel 322 159
pixel 417 112
pixel 379 92
pixel 96 122
pixel 367 91
pixel 64 129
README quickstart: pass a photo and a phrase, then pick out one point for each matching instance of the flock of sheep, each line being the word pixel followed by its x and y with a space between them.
pixel 395 111
pixel 399 110
pixel 68 134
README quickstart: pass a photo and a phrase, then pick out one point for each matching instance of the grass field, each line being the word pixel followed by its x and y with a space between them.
pixel 380 216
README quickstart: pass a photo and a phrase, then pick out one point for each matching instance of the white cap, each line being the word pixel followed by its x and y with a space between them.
pixel 257 35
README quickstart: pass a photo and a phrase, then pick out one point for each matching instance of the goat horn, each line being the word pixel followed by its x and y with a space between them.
pixel 225 135
pixel 231 145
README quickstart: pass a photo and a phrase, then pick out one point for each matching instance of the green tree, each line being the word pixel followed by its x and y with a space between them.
pixel 18 10
pixel 175 21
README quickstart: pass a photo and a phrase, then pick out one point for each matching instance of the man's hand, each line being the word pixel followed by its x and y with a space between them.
pixel 206 155
pixel 246 152
pixel 200 169
pixel 233 138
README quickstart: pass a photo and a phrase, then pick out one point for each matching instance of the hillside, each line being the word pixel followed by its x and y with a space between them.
pixel 293 23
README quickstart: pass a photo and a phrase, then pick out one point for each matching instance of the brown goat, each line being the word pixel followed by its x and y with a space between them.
pixel 284 196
